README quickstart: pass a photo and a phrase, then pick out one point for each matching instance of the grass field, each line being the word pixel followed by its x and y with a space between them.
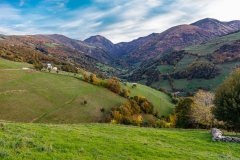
pixel 165 68
pixel 185 61
pixel 52 98
pixel 6 64
pixel 51 45
pixel 45 97
pixel 192 85
pixel 162 102
pixel 103 141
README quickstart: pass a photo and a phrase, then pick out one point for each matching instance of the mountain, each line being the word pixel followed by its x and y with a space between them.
pixel 174 38
pixel 119 49
pixel 125 48
pixel 101 42
pixel 155 44
pixel 92 50
pixel 178 37
pixel 201 66
pixel 217 27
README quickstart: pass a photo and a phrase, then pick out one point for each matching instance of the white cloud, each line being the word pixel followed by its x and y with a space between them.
pixel 182 11
pixel 9 13
pixel 21 3
pixel 123 20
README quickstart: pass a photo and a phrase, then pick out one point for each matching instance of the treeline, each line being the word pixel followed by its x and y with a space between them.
pixel 197 69
pixel 226 53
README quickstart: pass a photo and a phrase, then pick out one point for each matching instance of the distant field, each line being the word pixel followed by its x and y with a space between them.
pixel 13 65
pixel 165 68
pixel 162 103
pixel 163 83
pixel 210 46
pixel 185 61
pixel 115 142
pixel 191 85
pixel 51 45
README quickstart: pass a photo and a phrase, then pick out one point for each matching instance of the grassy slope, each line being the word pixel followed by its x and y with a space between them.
pixel 29 96
pixel 58 98
pixel 202 49
pixel 210 46
pixel 160 100
pixel 13 65
pixel 51 98
pixel 102 141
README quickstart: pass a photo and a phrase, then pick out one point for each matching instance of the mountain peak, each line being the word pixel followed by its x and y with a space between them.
pixel 101 42
pixel 217 27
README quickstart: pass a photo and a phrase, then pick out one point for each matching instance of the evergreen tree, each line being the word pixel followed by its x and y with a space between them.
pixel 227 101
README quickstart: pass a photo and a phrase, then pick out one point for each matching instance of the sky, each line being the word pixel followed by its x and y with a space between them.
pixel 117 20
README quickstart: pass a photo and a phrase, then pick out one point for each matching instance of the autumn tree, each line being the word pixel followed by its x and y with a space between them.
pixel 202 114
pixel 93 79
pixel 86 76
pixel 227 101
pixel 37 65
pixel 114 85
pixel 125 93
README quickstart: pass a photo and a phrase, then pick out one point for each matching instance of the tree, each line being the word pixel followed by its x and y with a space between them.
pixel 183 110
pixel 86 76
pixel 227 101
pixel 125 93
pixel 202 114
pixel 37 65
pixel 114 85
pixel 93 79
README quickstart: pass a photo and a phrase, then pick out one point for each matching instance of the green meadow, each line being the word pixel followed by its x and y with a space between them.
pixel 105 141
pixel 43 97
pixel 162 102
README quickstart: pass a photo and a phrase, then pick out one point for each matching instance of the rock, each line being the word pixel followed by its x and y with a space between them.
pixel 216 133
pixel 217 136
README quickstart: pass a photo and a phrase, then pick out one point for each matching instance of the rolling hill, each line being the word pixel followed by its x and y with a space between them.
pixel 43 97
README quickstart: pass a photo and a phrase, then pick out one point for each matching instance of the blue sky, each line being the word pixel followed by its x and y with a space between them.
pixel 117 20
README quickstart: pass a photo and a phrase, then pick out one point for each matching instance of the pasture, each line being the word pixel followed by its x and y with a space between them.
pixel 105 141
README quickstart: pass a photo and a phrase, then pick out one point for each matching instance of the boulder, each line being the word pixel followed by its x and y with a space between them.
pixel 217 136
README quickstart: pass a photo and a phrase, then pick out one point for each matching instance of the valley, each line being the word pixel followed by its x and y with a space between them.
pixel 154 97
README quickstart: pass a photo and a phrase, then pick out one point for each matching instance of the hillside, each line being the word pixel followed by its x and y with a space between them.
pixel 51 98
pixel 162 102
pixel 103 141
pixel 202 66
pixel 43 97
pixel 178 37
pixel 30 49
pixel 81 46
